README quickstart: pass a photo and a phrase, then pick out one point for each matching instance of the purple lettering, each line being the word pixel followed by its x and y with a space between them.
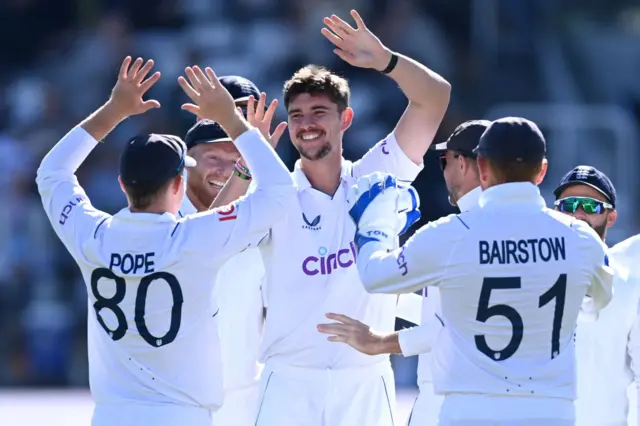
pixel 329 262
pixel 305 265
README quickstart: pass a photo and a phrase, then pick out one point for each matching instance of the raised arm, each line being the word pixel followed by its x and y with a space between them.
pixel 238 184
pixel 427 92
pixel 232 228
pixel 65 202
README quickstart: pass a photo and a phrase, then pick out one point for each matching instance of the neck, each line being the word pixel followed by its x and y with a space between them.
pixel 159 208
pixel 324 174
pixel 197 203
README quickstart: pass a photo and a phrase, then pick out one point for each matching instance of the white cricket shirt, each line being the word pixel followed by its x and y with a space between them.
pixel 419 340
pixel 512 276
pixel 310 263
pixel 607 361
pixel 152 322
pixel 238 294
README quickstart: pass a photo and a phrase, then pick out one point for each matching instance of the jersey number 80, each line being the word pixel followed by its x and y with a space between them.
pixel 557 292
pixel 113 302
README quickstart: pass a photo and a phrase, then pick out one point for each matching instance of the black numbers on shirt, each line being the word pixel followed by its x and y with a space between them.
pixel 557 292
pixel 113 304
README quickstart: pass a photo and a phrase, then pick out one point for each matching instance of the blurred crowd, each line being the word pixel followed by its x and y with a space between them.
pixel 59 62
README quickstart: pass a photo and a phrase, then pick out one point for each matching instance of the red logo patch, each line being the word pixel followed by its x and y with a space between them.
pixel 227 213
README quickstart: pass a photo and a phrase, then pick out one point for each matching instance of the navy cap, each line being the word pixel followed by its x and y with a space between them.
pixel 464 138
pixel 240 88
pixel 150 160
pixel 205 131
pixel 513 139
pixel 590 176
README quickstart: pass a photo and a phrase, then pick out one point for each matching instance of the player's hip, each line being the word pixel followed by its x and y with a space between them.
pixel 426 407
pixel 239 407
pixel 351 374
pixel 157 415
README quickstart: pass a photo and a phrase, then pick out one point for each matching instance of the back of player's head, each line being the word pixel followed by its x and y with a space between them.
pixel 317 80
pixel 148 164
pixel 512 149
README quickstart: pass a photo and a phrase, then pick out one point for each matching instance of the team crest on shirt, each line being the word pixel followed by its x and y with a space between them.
pixel 312 225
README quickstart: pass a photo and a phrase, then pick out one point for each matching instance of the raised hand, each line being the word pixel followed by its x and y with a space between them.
pixel 211 100
pixel 356 46
pixel 126 96
pixel 261 119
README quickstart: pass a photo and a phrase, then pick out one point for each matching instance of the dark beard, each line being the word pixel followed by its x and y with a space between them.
pixel 321 153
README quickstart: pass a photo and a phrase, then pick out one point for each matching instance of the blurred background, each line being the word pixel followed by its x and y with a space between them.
pixel 573 66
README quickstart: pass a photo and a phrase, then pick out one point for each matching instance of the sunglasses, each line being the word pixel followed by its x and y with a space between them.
pixel 589 205
pixel 443 159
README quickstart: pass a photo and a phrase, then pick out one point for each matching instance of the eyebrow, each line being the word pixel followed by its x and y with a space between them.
pixel 313 108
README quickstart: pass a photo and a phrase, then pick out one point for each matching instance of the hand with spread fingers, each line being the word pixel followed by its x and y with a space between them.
pixel 354 333
pixel 356 46
pixel 211 100
pixel 261 119
pixel 126 96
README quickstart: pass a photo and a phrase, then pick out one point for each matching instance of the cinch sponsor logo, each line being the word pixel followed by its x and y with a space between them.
pixel 384 148
pixel 325 263
pixel 402 264
pixel 68 207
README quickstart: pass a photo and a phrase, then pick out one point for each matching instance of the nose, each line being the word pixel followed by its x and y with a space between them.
pixel 580 214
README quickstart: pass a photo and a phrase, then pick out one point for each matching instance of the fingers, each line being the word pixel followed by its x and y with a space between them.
pixel 251 109
pixel 277 133
pixel 212 76
pixel 359 21
pixel 337 41
pixel 342 318
pixel 193 79
pixel 143 72
pixel 260 112
pixel 148 83
pixel 343 27
pixel 336 28
pixel 337 339
pixel 188 89
pixel 335 328
pixel 134 69
pixel 204 80
pixel 345 56
pixel 122 75
pixel 193 109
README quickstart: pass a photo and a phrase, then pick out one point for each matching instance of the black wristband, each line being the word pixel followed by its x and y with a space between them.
pixel 392 64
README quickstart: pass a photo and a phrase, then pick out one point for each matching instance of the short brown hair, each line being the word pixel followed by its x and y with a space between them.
pixel 141 197
pixel 511 171
pixel 315 80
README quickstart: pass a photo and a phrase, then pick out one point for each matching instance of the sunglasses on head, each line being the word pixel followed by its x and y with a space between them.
pixel 443 159
pixel 589 205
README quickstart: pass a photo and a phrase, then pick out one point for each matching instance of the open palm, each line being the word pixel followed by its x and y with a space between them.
pixel 356 46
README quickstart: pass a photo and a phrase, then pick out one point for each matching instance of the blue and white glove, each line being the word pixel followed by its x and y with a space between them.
pixel 382 209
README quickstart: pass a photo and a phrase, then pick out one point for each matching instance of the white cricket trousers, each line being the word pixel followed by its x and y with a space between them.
pixel 295 396
pixel 239 407
pixel 492 410
pixel 152 415
pixel 426 408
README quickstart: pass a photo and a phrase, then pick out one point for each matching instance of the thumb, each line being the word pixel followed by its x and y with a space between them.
pixel 277 133
pixel 193 109
pixel 150 104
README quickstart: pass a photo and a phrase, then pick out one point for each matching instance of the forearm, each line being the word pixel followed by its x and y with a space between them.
pixel 102 121
pixel 423 87
pixel 383 271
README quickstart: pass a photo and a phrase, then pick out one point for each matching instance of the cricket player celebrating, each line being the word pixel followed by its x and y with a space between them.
pixel 512 276
pixel 460 171
pixel 238 291
pixel 310 255
pixel 153 348
pixel 606 349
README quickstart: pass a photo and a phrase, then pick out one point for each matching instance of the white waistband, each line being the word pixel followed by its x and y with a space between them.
pixel 367 371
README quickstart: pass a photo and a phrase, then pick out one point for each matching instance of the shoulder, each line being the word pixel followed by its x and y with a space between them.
pixel 450 228
pixel 628 248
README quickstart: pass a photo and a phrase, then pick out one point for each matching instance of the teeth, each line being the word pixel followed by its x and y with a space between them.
pixel 310 136
pixel 216 182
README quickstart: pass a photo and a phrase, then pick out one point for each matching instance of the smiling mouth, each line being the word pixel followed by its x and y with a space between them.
pixel 216 183
pixel 311 136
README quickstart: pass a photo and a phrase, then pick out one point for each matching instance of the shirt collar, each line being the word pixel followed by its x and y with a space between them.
pixel 187 207
pixel 470 199
pixel 512 193
pixel 303 183
pixel 126 215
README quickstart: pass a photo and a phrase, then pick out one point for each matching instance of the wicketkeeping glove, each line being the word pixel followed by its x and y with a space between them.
pixel 382 209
